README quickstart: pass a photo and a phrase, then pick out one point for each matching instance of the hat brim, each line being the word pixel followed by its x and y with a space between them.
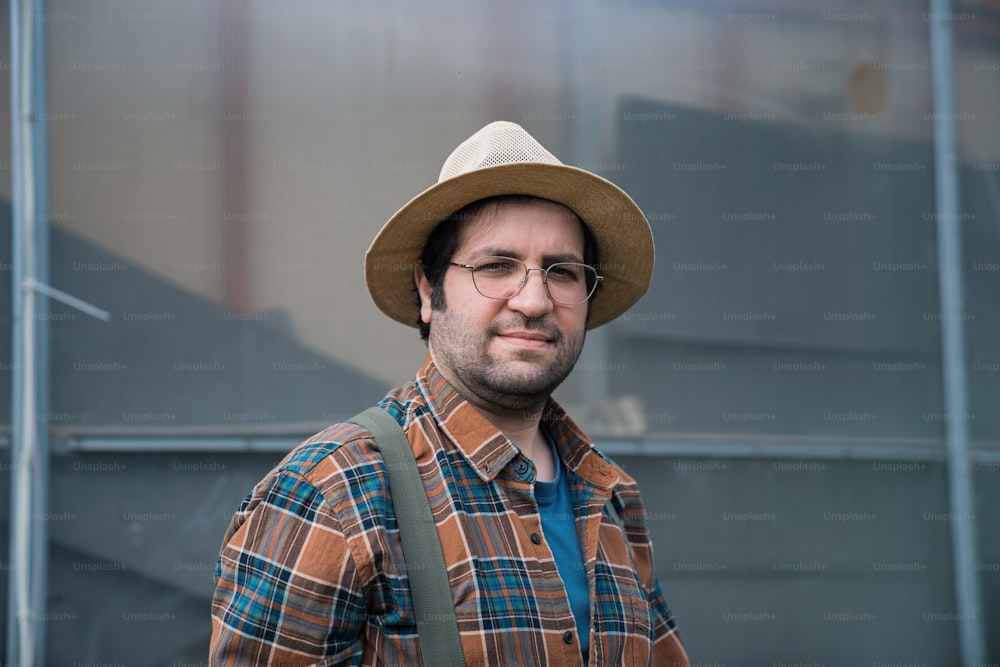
pixel 624 239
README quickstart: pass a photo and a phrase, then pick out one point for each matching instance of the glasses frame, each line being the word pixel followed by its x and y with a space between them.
pixel 527 273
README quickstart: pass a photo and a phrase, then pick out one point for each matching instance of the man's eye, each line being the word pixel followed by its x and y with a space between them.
pixel 495 267
pixel 565 272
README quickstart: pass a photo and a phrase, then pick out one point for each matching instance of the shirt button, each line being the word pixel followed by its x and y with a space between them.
pixel 568 637
pixel 536 538
pixel 521 467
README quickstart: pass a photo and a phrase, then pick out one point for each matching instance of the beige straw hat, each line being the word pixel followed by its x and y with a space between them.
pixel 503 159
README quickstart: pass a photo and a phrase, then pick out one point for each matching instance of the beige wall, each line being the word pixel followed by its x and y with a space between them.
pixel 135 161
pixel 354 107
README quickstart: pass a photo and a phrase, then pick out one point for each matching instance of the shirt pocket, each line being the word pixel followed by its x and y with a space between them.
pixel 623 617
pixel 392 607
pixel 621 601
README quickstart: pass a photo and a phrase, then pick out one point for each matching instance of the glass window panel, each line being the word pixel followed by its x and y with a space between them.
pixel 217 172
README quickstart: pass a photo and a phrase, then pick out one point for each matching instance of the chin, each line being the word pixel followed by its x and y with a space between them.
pixel 538 385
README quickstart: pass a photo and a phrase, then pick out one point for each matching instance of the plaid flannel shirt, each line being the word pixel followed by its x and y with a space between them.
pixel 312 572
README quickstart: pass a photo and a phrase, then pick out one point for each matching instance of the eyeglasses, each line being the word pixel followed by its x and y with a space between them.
pixel 566 283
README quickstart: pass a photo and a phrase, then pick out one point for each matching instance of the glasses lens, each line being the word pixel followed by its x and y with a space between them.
pixel 498 277
pixel 570 283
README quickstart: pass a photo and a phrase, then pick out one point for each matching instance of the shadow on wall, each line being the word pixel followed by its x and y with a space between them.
pixel 133 536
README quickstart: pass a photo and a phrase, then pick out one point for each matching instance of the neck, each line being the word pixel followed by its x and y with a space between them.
pixel 518 419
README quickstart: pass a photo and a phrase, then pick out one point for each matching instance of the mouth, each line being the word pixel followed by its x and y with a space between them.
pixel 529 339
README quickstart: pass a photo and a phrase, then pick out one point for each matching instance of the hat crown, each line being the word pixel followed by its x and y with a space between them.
pixel 498 143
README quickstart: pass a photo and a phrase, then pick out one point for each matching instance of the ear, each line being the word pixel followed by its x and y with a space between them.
pixel 424 290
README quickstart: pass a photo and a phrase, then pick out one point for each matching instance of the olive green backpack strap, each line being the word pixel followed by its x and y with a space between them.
pixel 430 590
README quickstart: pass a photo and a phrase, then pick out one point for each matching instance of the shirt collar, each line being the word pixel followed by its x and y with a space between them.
pixel 489 451
pixel 577 450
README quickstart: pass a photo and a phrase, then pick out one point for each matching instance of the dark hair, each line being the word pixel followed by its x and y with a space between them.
pixel 443 241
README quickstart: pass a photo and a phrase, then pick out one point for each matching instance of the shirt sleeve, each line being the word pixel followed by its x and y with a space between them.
pixel 287 589
pixel 667 649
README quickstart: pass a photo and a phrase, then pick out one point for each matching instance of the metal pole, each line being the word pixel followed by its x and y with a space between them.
pixel 29 489
pixel 960 486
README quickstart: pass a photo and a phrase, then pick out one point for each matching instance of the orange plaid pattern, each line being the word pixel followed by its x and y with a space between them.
pixel 311 571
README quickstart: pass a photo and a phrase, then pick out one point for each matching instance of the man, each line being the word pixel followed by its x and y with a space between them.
pixel 503 265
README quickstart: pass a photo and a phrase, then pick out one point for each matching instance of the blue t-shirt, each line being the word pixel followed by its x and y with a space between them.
pixel 559 525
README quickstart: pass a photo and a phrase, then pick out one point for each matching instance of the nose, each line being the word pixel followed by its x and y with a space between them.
pixel 533 298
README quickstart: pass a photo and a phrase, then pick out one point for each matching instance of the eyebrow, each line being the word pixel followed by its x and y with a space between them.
pixel 548 259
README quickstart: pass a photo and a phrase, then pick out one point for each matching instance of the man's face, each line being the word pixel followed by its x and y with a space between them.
pixel 508 354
